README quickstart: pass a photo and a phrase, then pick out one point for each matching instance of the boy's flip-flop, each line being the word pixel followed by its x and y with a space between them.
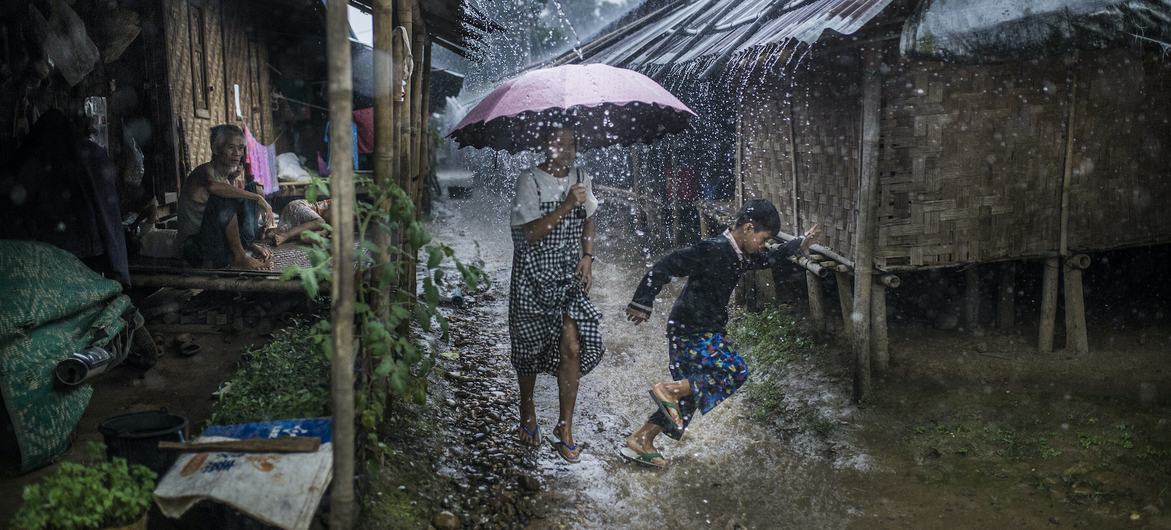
pixel 664 407
pixel 645 459
pixel 570 447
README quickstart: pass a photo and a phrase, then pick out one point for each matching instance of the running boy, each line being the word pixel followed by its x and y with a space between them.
pixel 704 367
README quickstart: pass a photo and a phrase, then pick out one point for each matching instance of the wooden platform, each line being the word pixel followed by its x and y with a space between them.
pixel 157 272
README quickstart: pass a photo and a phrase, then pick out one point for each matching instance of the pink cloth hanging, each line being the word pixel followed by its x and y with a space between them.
pixel 364 118
pixel 257 160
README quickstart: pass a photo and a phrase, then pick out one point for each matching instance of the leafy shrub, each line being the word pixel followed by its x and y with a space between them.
pixel 83 496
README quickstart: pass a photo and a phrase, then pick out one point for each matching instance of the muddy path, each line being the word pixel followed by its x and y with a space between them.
pixel 897 463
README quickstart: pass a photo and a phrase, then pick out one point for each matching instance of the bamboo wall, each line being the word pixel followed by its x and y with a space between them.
pixel 234 55
pixel 972 157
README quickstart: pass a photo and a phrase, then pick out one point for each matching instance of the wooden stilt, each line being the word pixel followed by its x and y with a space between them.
pixel 1048 305
pixel 846 301
pixel 1006 298
pixel 343 289
pixel 1076 336
pixel 879 338
pixel 816 301
pixel 972 298
pixel 867 220
pixel 383 140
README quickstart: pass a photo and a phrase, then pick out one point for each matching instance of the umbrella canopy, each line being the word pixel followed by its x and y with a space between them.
pixel 604 104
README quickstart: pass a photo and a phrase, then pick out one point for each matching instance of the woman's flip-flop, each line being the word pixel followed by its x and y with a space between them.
pixel 664 407
pixel 572 448
pixel 533 435
pixel 645 459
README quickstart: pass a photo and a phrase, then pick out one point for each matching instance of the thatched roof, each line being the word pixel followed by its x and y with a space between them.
pixel 1004 30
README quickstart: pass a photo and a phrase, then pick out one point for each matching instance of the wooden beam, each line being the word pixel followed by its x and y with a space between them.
pixel 1076 337
pixel 1048 305
pixel 383 139
pixel 1006 297
pixel 341 187
pixel 867 221
pixel 846 302
pixel 816 301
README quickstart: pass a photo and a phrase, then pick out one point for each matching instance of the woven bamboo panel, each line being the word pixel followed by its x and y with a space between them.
pixel 1120 187
pixel 196 129
pixel 821 109
pixel 970 162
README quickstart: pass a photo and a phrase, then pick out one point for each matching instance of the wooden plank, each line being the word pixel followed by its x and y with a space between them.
pixel 1048 305
pixel 308 444
pixel 1076 337
pixel 343 288
pixel 867 220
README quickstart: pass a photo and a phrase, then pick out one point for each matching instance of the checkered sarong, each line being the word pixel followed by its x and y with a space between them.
pixel 544 288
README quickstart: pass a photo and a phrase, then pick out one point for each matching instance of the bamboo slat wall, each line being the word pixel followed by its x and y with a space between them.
pixel 826 153
pixel 972 156
pixel 1121 182
pixel 232 55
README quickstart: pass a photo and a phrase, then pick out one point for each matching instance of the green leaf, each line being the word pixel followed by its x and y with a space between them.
pixel 423 317
pixel 309 281
pixel 385 367
pixel 434 257
pixel 430 292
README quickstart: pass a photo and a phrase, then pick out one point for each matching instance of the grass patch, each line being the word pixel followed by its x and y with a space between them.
pixel 770 339
pixel 287 377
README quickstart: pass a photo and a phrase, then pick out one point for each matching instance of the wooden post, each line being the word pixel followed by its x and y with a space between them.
pixel 879 336
pixel 972 298
pixel 417 111
pixel 846 301
pixel 341 192
pixel 383 146
pixel 426 145
pixel 1076 336
pixel 1048 306
pixel 406 21
pixel 816 301
pixel 867 222
pixel 1006 297
pixel 793 168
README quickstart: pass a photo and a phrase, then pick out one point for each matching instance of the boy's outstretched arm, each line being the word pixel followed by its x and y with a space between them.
pixel 677 264
pixel 777 255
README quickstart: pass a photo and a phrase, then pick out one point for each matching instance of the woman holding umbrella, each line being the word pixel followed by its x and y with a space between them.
pixel 561 111
pixel 553 324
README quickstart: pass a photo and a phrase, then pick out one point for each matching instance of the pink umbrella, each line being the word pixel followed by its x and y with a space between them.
pixel 604 104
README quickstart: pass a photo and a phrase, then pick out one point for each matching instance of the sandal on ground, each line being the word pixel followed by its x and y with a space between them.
pixel 666 406
pixel 533 435
pixel 569 449
pixel 645 459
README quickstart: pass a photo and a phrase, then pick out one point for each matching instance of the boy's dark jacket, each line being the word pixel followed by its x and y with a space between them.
pixel 713 269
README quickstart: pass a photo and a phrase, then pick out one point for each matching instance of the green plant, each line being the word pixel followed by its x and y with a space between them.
pixel 390 362
pixel 82 496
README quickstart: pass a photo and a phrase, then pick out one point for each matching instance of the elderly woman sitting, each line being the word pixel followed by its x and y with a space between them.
pixel 218 219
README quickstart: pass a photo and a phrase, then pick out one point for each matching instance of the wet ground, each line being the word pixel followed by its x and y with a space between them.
pixel 927 452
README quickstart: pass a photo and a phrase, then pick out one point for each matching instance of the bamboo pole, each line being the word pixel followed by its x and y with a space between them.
pixel 1006 297
pixel 816 301
pixel 406 20
pixel 1067 165
pixel 232 284
pixel 1048 306
pixel 417 111
pixel 867 221
pixel 846 302
pixel 343 289
pixel 972 298
pixel 793 166
pixel 879 335
pixel 383 140
pixel 1076 336
pixel 426 145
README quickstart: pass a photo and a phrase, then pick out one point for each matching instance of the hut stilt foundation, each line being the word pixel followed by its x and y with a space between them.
pixel 1076 336
pixel 816 301
pixel 1048 305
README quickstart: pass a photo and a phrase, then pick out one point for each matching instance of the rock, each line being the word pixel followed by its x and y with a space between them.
pixel 932 453
pixel 528 483
pixel 982 347
pixel 1055 521
pixel 446 521
pixel 1151 510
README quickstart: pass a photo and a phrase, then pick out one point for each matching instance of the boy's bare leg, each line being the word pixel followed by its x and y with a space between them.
pixel 528 409
pixel 673 391
pixel 643 441
pixel 281 237
pixel 568 378
pixel 240 259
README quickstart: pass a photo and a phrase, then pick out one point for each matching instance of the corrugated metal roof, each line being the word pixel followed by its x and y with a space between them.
pixel 719 27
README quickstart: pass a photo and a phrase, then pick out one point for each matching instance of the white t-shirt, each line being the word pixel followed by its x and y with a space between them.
pixel 526 205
